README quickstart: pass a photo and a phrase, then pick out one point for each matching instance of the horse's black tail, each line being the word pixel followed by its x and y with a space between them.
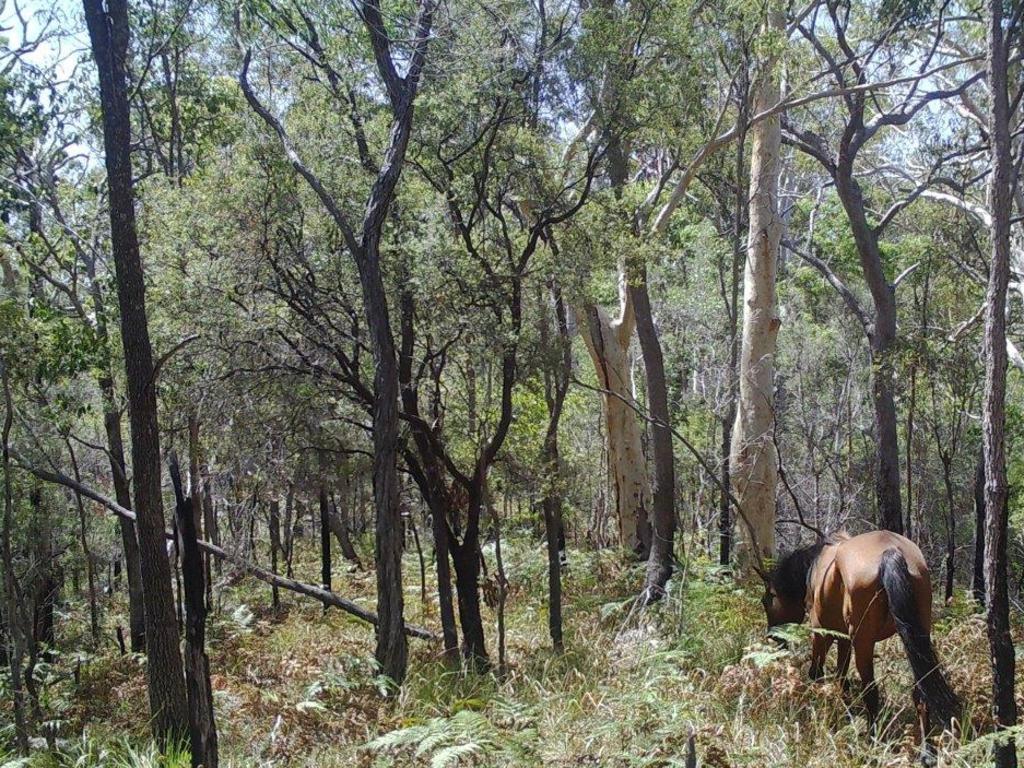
pixel 930 682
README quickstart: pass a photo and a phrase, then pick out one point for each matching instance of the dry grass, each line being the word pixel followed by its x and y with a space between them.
pixel 299 688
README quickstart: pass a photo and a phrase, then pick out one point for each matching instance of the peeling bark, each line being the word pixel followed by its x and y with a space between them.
pixel 753 462
pixel 607 341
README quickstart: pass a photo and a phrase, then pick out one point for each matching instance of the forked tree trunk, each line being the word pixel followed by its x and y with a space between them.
pixel 753 463
pixel 109 32
pixel 994 410
pixel 607 341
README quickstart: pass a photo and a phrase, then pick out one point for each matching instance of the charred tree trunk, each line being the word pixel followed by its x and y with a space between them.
pixel 289 529
pixel 978 571
pixel 466 558
pixel 430 479
pixel 108 33
pixel 325 540
pixel 202 728
pixel 947 479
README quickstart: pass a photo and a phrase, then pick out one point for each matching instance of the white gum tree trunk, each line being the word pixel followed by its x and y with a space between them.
pixel 607 339
pixel 753 462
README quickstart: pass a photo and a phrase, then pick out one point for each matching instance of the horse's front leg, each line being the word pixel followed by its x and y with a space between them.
pixel 844 649
pixel 819 650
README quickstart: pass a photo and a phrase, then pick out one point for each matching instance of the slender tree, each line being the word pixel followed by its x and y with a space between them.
pixel 364 248
pixel 994 404
pixel 109 34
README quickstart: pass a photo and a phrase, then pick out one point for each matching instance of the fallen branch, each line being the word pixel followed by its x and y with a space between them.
pixel 324 596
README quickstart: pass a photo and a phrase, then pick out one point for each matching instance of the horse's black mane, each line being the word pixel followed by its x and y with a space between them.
pixel 789 577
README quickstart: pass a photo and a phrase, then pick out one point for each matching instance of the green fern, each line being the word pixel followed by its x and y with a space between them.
pixel 455 740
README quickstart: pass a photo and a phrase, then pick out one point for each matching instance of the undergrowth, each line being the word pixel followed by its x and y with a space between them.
pixel 299 687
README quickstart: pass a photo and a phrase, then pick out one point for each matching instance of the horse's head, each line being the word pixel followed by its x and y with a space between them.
pixel 785 590
pixel 780 609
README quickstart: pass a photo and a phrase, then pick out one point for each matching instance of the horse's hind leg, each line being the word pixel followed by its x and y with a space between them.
pixel 864 657
pixel 927 754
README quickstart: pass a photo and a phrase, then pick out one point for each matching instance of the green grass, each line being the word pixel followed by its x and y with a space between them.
pixel 301 688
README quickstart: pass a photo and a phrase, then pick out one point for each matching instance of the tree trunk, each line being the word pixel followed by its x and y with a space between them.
pixel 732 300
pixel 882 341
pixel 978 571
pixel 994 410
pixel 911 528
pixel 607 341
pixel 275 548
pixel 947 480
pixel 129 542
pixel 753 463
pixel 339 527
pixel 445 601
pixel 108 32
pixel 466 558
pixel 118 472
pixel 44 580
pixel 289 528
pixel 556 384
pixel 429 477
pixel 83 539
pixel 16 621
pixel 202 728
pixel 325 540
pixel 663 515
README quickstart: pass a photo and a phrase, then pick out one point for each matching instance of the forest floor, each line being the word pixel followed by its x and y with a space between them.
pixel 298 688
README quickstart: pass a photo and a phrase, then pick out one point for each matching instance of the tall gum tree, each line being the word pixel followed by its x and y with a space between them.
pixel 753 462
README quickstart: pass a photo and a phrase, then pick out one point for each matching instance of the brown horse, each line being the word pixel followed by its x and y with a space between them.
pixel 859 591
